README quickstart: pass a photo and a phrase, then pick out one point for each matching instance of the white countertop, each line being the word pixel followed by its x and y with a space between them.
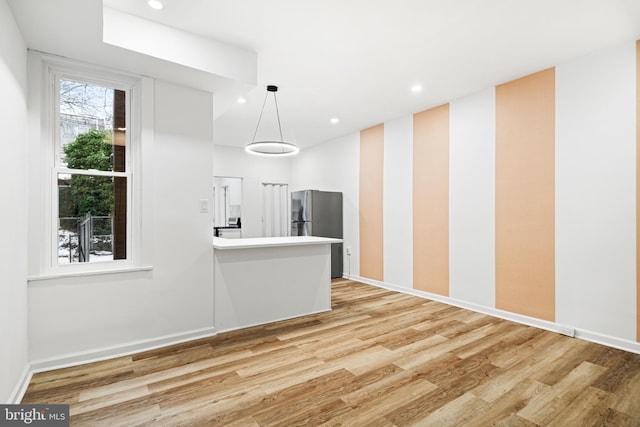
pixel 264 242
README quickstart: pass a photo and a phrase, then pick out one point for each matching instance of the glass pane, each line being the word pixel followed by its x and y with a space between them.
pixel 92 126
pixel 91 213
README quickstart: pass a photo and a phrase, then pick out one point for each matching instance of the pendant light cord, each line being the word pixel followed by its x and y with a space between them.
pixel 260 117
pixel 262 111
pixel 278 115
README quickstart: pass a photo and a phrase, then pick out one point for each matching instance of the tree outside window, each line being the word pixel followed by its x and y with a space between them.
pixel 92 176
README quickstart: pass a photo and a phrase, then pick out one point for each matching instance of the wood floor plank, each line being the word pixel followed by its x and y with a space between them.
pixel 420 358
pixel 621 402
pixel 508 405
pixel 122 396
pixel 455 413
pixel 181 357
pixel 399 338
pixel 545 407
pixel 568 361
pixel 58 396
pixel 506 379
pixel 201 409
pixel 120 386
pixel 383 401
pixel 208 375
pixel 124 418
pixel 72 379
pixel 365 360
pixel 515 421
pixel 586 410
pixel 379 358
pixel 623 367
pixel 614 418
pixel 305 400
pixel 95 368
pixel 329 328
pixel 517 353
pixel 276 385
pixel 500 333
pixel 380 383
pixel 409 413
pixel 272 360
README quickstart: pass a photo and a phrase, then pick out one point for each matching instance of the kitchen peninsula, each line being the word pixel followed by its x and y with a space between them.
pixel 263 280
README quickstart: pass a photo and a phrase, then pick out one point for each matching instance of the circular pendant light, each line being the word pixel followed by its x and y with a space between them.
pixel 271 148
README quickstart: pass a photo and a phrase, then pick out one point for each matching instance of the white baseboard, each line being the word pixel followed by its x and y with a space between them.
pixel 104 353
pixel 610 341
pixel 111 352
pixel 21 385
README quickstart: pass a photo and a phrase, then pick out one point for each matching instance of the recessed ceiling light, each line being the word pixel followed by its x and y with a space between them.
pixel 334 120
pixel 155 4
pixel 242 100
pixel 416 88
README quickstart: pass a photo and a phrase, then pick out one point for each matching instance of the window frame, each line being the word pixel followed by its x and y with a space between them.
pixel 55 71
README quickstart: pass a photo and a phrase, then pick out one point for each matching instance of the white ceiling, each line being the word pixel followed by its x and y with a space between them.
pixel 354 59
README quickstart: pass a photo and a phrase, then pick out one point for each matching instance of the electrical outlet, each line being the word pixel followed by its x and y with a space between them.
pixel 567 330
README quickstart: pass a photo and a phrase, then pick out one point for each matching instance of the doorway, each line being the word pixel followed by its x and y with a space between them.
pixel 275 209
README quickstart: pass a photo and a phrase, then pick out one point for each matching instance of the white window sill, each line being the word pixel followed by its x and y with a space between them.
pixel 53 276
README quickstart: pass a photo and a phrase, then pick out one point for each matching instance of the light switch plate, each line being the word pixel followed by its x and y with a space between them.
pixel 204 206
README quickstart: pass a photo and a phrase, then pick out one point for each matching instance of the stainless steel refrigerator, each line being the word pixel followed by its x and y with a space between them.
pixel 319 213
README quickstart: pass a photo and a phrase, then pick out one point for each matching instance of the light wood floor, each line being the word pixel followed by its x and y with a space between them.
pixel 380 358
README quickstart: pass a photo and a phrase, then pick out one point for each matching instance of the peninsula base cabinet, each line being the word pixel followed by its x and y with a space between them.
pixel 263 280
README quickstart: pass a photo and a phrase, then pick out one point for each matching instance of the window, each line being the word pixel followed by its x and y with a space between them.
pixel 91 185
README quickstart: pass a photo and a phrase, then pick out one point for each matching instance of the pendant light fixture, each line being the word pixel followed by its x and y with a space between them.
pixel 271 148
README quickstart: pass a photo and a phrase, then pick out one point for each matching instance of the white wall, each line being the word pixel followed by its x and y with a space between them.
pixel 472 199
pixel 254 170
pixel 595 192
pixel 13 190
pixel 397 203
pixel 81 316
pixel 333 166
